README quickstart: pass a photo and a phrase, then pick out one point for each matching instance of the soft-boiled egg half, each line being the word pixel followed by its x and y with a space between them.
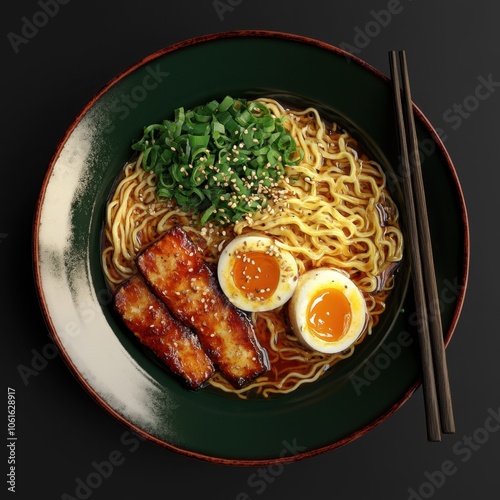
pixel 327 311
pixel 255 274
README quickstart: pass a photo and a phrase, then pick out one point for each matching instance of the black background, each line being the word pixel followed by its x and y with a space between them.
pixel 47 80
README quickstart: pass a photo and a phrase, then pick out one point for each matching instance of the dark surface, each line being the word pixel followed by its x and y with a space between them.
pixel 63 435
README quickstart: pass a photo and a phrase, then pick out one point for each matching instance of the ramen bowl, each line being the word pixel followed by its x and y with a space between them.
pixel 361 391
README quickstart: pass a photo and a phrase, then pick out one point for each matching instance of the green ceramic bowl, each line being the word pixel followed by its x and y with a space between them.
pixel 362 391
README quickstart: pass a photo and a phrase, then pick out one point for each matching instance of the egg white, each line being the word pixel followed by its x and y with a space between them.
pixel 309 284
pixel 257 243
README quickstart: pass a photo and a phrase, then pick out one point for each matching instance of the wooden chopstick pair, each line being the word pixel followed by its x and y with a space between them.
pixel 436 387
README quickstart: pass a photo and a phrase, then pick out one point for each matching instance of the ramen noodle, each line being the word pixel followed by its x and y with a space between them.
pixel 332 209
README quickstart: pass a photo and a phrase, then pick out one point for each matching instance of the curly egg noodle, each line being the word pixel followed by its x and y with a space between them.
pixel 330 210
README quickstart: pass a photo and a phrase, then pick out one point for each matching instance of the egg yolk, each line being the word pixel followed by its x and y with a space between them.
pixel 256 274
pixel 329 315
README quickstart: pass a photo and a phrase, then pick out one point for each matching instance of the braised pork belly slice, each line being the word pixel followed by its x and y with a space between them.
pixel 175 270
pixel 171 341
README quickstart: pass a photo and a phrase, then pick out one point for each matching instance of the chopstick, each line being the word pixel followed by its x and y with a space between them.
pixel 435 379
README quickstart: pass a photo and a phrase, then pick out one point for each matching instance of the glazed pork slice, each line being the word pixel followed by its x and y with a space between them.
pixel 170 340
pixel 177 273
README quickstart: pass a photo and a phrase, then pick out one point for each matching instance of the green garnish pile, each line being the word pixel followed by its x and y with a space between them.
pixel 221 160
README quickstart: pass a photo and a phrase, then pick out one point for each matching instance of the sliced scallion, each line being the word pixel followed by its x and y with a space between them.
pixel 220 159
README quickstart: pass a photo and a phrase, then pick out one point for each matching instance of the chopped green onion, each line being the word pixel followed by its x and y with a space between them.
pixel 219 160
